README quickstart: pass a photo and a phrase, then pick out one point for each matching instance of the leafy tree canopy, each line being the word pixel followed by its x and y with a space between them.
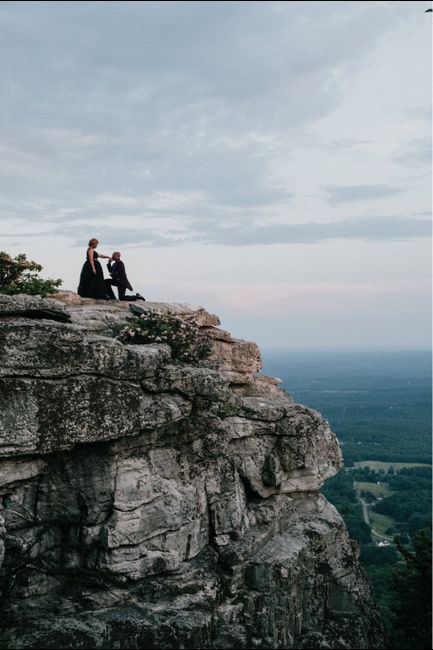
pixel 20 275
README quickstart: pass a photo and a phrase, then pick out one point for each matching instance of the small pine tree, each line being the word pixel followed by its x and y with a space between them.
pixel 20 275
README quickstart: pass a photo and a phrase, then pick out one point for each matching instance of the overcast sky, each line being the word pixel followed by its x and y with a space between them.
pixel 270 161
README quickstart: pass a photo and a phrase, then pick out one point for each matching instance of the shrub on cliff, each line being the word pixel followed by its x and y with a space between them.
pixel 20 275
pixel 187 343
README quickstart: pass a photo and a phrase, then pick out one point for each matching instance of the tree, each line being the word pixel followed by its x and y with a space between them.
pixel 357 528
pixel 368 496
pixel 20 275
pixel 374 555
pixel 417 521
pixel 412 608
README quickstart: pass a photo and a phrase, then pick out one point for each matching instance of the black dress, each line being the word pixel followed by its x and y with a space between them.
pixel 92 284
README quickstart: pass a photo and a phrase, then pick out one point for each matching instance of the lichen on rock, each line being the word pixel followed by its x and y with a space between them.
pixel 145 503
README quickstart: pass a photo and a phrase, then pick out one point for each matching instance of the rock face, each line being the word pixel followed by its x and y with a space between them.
pixel 147 504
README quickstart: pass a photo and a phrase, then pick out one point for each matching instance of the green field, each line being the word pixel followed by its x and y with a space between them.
pixel 381 523
pixel 381 490
pixel 379 464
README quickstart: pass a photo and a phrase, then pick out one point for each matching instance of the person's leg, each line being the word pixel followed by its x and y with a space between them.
pixel 108 286
pixel 122 295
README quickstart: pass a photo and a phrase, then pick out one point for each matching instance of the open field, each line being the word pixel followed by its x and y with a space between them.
pixel 381 490
pixel 378 464
pixel 380 523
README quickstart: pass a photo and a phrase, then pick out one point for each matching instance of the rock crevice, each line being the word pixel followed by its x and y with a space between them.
pixel 144 503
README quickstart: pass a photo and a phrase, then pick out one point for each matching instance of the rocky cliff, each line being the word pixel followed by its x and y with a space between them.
pixel 149 504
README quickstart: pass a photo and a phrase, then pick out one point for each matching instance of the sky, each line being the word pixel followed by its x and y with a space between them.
pixel 270 161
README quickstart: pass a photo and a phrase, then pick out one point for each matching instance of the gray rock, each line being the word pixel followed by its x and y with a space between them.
pixel 145 503
pixel 42 416
pixel 2 541
pixel 200 315
pixel 33 307
pixel 52 350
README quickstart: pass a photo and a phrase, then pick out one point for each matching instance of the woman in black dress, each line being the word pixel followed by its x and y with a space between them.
pixel 92 277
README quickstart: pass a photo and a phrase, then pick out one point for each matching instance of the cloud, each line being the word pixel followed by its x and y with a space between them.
pixel 242 233
pixel 349 193
pixel 181 97
pixel 418 152
pixel 367 228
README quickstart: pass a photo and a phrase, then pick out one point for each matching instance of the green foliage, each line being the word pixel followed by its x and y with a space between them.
pixel 5 638
pixel 357 527
pixel 368 496
pixel 20 275
pixel 340 492
pixel 374 555
pixel 402 505
pixel 418 521
pixel 417 472
pixel 369 431
pixel 381 580
pixel 188 344
pixel 410 503
pixel 403 536
pixel 410 506
pixel 413 602
pixel 379 563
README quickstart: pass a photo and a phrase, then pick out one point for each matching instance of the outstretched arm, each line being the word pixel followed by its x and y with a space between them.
pixel 106 257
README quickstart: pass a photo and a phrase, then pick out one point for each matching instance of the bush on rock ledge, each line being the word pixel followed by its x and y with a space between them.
pixel 188 344
pixel 20 275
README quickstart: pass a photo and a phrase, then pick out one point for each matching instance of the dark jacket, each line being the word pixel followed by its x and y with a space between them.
pixel 118 273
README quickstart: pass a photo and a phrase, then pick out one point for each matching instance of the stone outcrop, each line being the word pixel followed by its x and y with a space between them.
pixel 149 504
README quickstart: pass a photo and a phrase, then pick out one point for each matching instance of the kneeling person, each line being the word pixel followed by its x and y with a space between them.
pixel 119 279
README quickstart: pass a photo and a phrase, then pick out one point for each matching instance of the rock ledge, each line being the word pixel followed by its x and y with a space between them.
pixel 149 504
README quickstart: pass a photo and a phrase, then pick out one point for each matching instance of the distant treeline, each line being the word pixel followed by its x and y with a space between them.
pixel 372 474
pixel 392 427
pixel 373 436
pixel 413 454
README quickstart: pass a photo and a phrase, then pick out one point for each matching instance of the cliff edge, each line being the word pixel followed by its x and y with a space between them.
pixel 150 504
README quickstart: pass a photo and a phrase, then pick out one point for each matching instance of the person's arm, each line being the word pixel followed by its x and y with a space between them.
pixel 91 260
pixel 106 257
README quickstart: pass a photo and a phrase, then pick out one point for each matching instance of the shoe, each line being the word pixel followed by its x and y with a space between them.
pixel 140 297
